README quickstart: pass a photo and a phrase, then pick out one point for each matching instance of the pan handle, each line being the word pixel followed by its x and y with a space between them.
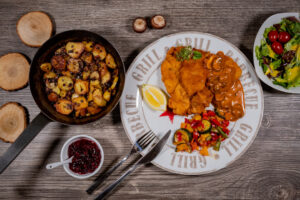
pixel 37 124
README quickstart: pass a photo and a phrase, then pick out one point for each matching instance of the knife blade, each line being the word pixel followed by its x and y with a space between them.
pixel 151 155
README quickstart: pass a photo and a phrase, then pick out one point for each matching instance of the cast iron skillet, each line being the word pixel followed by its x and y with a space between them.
pixel 37 88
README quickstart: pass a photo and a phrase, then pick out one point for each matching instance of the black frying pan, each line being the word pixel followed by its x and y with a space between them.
pixel 37 88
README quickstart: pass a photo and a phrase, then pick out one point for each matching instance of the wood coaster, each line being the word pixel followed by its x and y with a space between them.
pixel 13 121
pixel 14 71
pixel 34 28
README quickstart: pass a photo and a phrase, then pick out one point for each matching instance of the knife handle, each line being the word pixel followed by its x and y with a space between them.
pixel 110 188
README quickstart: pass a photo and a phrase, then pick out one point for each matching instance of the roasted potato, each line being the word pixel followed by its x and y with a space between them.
pixel 74 96
pixel 49 75
pixel 107 95
pixel 79 103
pixel 74 49
pixel 50 83
pixel 65 83
pixel 81 113
pixel 98 98
pixel 64 106
pixel 56 90
pixel 99 52
pixel 88 46
pixel 52 97
pixel 93 108
pixel 74 65
pixel 114 83
pixel 104 74
pixel 95 75
pixel 46 67
pixel 58 62
pixel 60 51
pixel 81 87
pixel 95 84
pixel 87 57
pixel 67 73
pixel 86 75
pixel 110 61
pixel 63 93
pixel 93 67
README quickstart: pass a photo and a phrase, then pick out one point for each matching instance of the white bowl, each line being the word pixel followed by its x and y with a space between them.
pixel 64 156
pixel 274 19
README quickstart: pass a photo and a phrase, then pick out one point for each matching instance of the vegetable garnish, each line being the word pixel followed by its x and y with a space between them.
pixel 169 114
pixel 187 53
pixel 201 132
pixel 279 53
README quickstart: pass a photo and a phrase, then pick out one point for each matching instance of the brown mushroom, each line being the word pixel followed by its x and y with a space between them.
pixel 139 25
pixel 158 22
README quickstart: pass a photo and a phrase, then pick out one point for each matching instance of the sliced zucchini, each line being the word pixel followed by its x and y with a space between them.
pixel 182 135
pixel 219 113
pixel 183 147
pixel 206 127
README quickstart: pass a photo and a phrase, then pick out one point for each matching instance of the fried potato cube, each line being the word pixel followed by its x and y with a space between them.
pixel 87 57
pixel 98 98
pixel 93 109
pixel 81 87
pixel 64 106
pixel 95 75
pixel 95 84
pixel 110 61
pixel 74 49
pixel 90 96
pixel 58 62
pixel 67 73
pixel 114 83
pixel 104 74
pixel 79 103
pixel 86 75
pixel 52 97
pixel 50 84
pixel 81 113
pixel 56 90
pixel 46 67
pixel 74 65
pixel 107 95
pixel 49 75
pixel 63 93
pixel 99 52
pixel 88 46
pixel 65 83
pixel 74 96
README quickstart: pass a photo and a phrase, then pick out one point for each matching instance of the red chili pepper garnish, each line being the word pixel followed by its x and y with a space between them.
pixel 195 135
pixel 196 123
pixel 225 130
pixel 186 120
pixel 168 113
pixel 225 123
pixel 204 115
pixel 216 122
pixel 211 113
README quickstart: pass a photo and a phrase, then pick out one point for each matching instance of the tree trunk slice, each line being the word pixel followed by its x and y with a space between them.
pixel 14 71
pixel 12 121
pixel 34 28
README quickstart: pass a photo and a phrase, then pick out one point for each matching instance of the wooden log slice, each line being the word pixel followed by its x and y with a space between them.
pixel 12 121
pixel 34 28
pixel 14 71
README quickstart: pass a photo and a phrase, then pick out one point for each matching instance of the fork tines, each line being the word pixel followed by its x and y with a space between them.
pixel 145 140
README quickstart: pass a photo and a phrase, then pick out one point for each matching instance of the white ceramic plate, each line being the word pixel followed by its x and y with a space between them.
pixel 138 118
pixel 274 19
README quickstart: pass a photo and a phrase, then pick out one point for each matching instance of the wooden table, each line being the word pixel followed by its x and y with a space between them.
pixel 268 170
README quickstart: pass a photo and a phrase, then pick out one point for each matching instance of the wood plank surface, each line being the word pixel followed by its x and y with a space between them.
pixel 270 169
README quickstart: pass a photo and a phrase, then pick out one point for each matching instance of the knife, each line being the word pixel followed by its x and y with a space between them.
pixel 144 160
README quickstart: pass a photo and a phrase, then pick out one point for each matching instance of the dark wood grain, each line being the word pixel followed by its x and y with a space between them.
pixel 268 170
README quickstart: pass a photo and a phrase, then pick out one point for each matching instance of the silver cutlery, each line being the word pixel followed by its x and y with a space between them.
pixel 155 150
pixel 139 145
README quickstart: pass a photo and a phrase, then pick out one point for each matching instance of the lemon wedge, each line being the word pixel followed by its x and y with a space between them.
pixel 154 97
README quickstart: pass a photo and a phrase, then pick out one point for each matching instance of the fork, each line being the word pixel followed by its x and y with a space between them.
pixel 138 146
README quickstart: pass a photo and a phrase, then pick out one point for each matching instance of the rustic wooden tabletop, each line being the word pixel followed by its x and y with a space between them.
pixel 268 170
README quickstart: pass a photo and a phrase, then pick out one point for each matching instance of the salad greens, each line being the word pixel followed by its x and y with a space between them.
pixel 284 68
pixel 187 53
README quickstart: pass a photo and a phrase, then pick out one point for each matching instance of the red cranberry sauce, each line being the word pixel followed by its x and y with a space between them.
pixel 86 158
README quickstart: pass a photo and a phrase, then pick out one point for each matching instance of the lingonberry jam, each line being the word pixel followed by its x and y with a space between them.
pixel 86 154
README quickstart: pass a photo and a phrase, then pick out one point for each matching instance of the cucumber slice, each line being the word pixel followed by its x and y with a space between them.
pixel 206 127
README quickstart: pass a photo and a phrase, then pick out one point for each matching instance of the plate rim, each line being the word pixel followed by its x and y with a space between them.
pixel 255 76
pixel 258 68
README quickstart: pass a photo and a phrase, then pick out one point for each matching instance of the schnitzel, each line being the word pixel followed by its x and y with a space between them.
pixel 195 78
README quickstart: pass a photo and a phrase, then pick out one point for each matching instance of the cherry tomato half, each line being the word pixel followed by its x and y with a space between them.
pixel 273 36
pixel 277 47
pixel 284 37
